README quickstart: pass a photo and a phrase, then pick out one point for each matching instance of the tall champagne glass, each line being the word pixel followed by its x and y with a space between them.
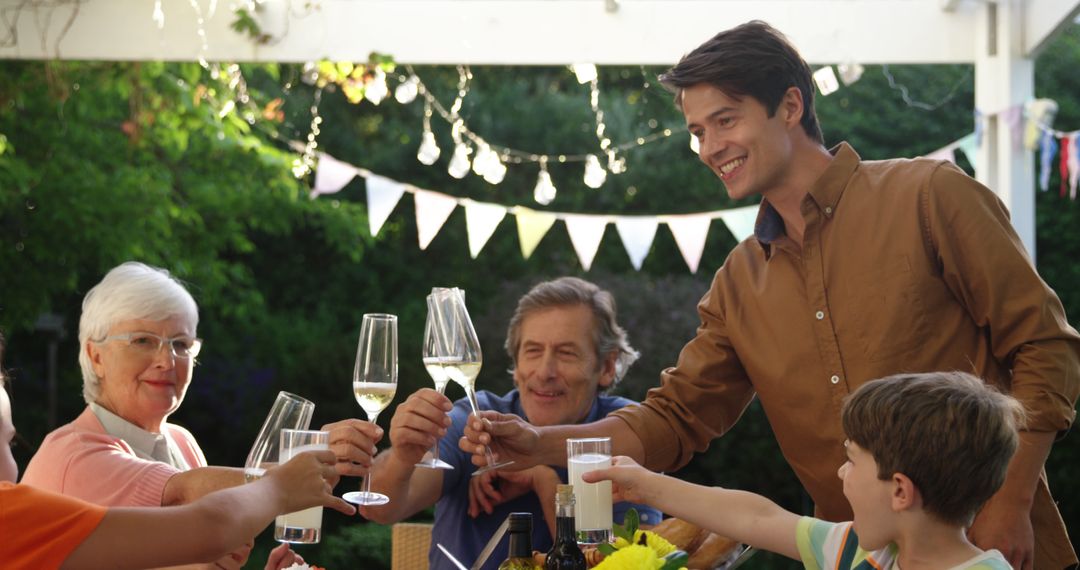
pixel 434 364
pixel 460 349
pixel 374 383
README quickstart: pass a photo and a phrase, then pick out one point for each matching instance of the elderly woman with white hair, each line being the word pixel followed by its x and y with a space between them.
pixel 137 347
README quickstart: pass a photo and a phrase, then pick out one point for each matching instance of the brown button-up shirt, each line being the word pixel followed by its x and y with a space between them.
pixel 905 266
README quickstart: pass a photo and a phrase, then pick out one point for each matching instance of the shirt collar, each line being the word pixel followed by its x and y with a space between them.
pixel 146 445
pixel 825 193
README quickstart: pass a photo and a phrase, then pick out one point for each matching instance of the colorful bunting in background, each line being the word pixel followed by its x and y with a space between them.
pixel 1047 148
pixel 969 145
pixel 332 175
pixel 1073 164
pixel 532 227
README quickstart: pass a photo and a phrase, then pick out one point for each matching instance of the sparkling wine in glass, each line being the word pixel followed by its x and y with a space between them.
pixel 435 366
pixel 460 352
pixel 374 383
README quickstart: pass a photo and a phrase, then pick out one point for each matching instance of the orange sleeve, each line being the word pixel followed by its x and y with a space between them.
pixel 40 529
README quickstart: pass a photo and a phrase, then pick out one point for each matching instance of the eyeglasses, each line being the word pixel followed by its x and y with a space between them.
pixel 149 344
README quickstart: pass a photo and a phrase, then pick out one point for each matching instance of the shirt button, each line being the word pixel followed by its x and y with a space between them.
pixel 835 379
pixel 820 315
pixel 828 209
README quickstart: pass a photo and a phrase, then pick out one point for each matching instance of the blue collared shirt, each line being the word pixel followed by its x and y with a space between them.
pixel 464 536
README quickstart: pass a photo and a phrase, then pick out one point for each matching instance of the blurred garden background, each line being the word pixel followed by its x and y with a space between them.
pixel 183 166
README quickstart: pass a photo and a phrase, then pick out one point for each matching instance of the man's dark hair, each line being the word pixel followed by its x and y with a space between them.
pixel 753 59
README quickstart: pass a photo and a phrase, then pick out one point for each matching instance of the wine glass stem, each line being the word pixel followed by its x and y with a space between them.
pixel 471 393
pixel 365 486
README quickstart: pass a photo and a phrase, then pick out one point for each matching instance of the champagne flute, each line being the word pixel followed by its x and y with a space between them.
pixel 374 383
pixel 434 365
pixel 288 412
pixel 460 350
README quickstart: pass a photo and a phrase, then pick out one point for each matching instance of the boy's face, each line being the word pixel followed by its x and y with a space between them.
pixel 750 151
pixel 870 498
pixel 9 471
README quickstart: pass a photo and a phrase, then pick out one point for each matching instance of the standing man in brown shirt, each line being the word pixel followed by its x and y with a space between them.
pixel 856 270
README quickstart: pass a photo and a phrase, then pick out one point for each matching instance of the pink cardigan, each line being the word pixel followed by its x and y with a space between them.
pixel 81 460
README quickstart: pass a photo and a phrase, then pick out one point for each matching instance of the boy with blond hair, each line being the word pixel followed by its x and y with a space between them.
pixel 924 452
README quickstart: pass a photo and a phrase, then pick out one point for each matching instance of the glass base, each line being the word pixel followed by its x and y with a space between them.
pixel 295 535
pixel 431 463
pixel 594 536
pixel 492 467
pixel 369 499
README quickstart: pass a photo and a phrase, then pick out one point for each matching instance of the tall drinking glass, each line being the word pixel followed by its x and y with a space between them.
pixel 301 527
pixel 435 366
pixel 459 348
pixel 374 383
pixel 288 412
pixel 594 508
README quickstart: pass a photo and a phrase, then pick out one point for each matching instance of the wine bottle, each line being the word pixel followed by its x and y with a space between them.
pixel 520 544
pixel 565 553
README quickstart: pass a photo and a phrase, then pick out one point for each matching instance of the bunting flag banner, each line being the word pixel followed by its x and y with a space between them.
pixel 532 227
pixel 585 233
pixel 740 221
pixel 970 147
pixel 944 153
pixel 382 195
pixel 1047 148
pixel 637 235
pixel 332 175
pixel 1063 165
pixel 481 219
pixel 432 209
pixel 1014 118
pixel 1040 115
pixel 1073 164
pixel 690 233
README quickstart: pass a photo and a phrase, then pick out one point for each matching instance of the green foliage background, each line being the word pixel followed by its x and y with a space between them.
pixel 106 162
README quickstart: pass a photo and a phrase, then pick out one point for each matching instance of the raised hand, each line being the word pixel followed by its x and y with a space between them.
pixel 508 436
pixel 353 443
pixel 417 424
pixel 629 481
pixel 304 481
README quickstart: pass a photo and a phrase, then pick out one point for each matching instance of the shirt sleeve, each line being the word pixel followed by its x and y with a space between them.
pixel 986 267
pixel 818 541
pixel 42 529
pixel 697 400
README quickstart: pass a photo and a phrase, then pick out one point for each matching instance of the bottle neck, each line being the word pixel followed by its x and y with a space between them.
pixel 520 545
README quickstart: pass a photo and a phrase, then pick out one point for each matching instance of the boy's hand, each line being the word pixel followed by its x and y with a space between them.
pixel 353 443
pixel 508 436
pixel 418 423
pixel 304 481
pixel 629 481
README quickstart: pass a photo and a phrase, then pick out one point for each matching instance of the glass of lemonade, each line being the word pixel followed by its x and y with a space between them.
pixel 301 527
pixel 374 383
pixel 594 508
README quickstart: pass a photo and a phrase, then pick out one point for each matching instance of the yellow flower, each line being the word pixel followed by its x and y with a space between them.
pixel 654 541
pixel 632 557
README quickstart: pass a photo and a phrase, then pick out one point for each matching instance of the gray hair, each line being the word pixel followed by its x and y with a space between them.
pixel 131 290
pixel 607 335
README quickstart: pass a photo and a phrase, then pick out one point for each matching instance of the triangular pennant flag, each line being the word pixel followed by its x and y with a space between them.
pixel 480 222
pixel 1063 164
pixel 740 221
pixel 1073 164
pixel 585 233
pixel 1047 147
pixel 690 233
pixel 944 153
pixel 432 209
pixel 382 195
pixel 331 175
pixel 1014 118
pixel 532 227
pixel 637 235
pixel 970 146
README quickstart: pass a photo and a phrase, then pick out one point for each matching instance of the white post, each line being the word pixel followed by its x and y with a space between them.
pixel 1005 79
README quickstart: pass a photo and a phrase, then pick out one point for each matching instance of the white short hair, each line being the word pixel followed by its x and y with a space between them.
pixel 131 290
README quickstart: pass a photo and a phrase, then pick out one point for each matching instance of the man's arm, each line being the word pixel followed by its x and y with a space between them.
pixel 211 526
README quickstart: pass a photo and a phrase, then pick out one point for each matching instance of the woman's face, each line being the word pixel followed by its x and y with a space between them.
pixel 140 386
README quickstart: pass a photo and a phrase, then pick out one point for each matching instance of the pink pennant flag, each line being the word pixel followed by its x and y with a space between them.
pixel 331 175
pixel 690 233
pixel 637 235
pixel 432 209
pixel 1014 118
pixel 585 233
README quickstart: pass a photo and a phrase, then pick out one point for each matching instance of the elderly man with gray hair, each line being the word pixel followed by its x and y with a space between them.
pixel 137 346
pixel 567 348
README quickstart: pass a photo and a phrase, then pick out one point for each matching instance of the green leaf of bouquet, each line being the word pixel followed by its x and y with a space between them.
pixel 622 532
pixel 606 549
pixel 631 521
pixel 675 560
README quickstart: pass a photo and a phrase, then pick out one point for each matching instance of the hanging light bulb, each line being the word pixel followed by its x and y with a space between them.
pixel 429 151
pixel 594 173
pixel 695 144
pixel 484 158
pixel 585 72
pixel 496 172
pixel 850 72
pixel 459 163
pixel 376 89
pixel 545 191
pixel 615 164
pixel 406 90
pixel 159 15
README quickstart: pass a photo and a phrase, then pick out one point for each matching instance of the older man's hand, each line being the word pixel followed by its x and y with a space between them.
pixel 353 443
pixel 418 424
pixel 508 436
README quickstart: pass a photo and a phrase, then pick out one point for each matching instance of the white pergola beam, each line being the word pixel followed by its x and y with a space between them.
pixel 1043 18
pixel 512 32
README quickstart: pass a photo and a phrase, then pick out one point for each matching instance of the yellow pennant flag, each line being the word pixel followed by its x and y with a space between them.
pixel 532 227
